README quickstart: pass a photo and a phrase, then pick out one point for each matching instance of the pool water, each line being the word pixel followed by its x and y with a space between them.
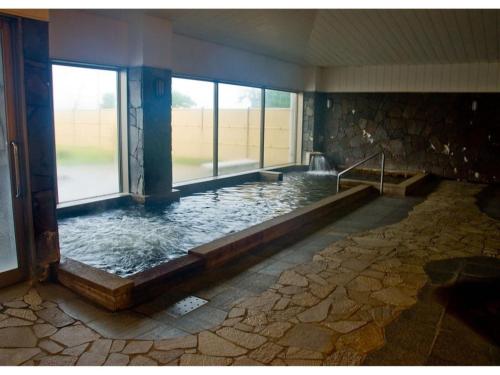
pixel 128 240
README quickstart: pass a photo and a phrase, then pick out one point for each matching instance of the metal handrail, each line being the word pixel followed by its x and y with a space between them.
pixel 364 161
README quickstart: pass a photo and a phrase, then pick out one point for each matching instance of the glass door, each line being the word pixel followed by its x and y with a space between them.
pixel 11 204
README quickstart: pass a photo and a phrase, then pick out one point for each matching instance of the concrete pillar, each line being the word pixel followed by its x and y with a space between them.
pixel 149 110
pixel 150 134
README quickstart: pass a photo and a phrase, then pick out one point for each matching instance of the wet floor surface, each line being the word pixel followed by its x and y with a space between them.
pixel 456 320
pixel 255 273
pixel 421 291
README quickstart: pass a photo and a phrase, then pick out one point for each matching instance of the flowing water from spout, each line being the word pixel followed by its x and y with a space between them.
pixel 320 166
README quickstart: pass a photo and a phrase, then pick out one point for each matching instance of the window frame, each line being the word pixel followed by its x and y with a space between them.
pixel 122 128
pixel 263 88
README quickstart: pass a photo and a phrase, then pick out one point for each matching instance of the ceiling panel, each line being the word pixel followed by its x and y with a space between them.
pixel 342 37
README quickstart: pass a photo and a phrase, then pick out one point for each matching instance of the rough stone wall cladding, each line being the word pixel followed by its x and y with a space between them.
pixel 438 132
pixel 39 121
pixel 149 125
pixel 135 131
pixel 308 124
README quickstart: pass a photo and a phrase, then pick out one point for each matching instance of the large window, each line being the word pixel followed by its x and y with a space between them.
pixel 192 129
pixel 239 128
pixel 86 132
pixel 280 128
pixel 230 127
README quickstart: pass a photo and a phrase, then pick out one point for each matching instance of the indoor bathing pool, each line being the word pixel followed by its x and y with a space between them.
pixel 132 239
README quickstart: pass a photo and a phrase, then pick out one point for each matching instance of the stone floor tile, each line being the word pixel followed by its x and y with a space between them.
pixel 393 355
pixel 14 292
pixel 362 340
pixel 58 360
pixel 137 347
pixel 213 345
pixel 50 346
pixel 117 346
pixel 91 359
pixel 394 296
pixel 54 292
pixel 256 282
pixel 74 335
pixel 17 337
pixel 126 325
pixel 44 330
pixel 344 357
pixel 32 298
pixel 141 360
pixel 164 357
pixel 266 353
pixel 75 350
pixel 203 360
pixel 55 316
pixel 83 311
pixel 448 348
pixel 117 359
pixel 241 338
pixel 227 299
pixel 184 342
pixel 275 330
pixel 14 322
pixel 25 314
pixel 16 304
pixel 14 357
pixel 245 361
pixel 101 346
pixel 309 336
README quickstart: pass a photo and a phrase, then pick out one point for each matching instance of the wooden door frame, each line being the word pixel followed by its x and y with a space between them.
pixel 16 130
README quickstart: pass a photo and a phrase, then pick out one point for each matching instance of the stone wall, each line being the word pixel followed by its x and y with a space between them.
pixel 438 132
pixel 40 129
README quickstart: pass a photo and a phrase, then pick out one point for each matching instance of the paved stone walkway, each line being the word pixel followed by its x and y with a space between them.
pixel 330 311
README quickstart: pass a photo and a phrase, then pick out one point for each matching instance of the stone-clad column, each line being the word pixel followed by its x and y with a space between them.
pixel 150 134
pixel 41 149
pixel 313 123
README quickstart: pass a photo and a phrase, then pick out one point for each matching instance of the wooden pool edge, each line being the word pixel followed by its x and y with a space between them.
pixel 407 187
pixel 118 293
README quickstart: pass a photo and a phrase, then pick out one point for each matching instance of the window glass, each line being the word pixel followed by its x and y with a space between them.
pixel 192 129
pixel 86 132
pixel 239 128
pixel 280 128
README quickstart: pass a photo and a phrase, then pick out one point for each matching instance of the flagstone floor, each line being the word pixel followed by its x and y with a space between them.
pixel 366 289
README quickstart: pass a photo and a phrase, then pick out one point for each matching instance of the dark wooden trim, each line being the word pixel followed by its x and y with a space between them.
pixel 16 131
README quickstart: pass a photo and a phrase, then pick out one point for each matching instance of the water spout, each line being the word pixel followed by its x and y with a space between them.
pixel 318 164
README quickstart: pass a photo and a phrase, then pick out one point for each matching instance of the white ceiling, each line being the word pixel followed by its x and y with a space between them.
pixel 348 37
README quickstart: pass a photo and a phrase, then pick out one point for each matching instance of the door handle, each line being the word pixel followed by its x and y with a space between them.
pixel 17 172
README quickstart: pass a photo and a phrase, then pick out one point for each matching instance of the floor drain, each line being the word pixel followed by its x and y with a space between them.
pixel 185 306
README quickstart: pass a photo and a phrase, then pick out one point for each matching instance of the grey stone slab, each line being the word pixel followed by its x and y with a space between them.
pixel 55 292
pixel 226 299
pixel 162 332
pixel 276 267
pixel 205 317
pixel 255 282
pixel 83 310
pixel 126 325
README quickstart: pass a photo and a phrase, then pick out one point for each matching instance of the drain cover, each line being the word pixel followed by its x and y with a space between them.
pixel 185 306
